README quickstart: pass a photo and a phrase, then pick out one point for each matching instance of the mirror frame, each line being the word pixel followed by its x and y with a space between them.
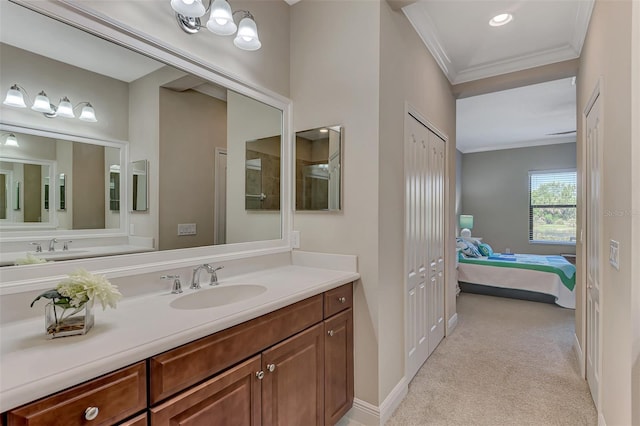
pixel 38 277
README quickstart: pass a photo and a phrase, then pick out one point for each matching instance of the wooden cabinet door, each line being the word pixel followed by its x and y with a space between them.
pixel 231 398
pixel 293 385
pixel 338 364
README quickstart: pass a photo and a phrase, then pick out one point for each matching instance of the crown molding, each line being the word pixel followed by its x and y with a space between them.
pixel 423 23
pixel 522 144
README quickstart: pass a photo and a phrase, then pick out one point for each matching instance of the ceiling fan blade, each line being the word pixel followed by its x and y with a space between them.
pixel 561 133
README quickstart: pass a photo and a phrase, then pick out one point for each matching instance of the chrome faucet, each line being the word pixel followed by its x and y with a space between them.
pixel 176 288
pixel 195 280
pixel 52 244
pixel 38 246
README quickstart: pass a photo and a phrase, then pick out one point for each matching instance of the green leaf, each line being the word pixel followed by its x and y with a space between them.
pixel 49 294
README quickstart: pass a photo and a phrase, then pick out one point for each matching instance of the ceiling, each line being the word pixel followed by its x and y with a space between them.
pixel 525 116
pixel 467 48
pixel 458 34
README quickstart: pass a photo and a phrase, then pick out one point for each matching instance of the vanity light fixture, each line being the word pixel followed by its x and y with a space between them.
pixel 11 140
pixel 220 22
pixel 501 19
pixel 15 98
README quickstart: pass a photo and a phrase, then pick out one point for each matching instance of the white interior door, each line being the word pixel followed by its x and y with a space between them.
pixel 436 251
pixel 424 244
pixel 220 197
pixel 593 243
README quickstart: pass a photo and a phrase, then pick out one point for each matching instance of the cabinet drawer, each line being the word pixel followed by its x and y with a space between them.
pixel 338 299
pixel 140 420
pixel 116 396
pixel 182 367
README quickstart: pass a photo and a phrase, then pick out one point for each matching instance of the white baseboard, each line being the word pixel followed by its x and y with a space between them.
pixel 601 421
pixel 580 355
pixel 452 323
pixel 370 415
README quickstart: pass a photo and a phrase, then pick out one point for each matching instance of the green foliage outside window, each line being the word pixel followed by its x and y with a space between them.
pixel 552 213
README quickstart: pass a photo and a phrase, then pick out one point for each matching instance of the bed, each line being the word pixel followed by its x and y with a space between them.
pixel 526 276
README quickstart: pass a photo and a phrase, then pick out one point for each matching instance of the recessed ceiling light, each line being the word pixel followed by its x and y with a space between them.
pixel 501 19
pixel 324 130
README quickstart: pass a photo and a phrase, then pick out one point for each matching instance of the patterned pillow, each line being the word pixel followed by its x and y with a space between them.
pixel 485 249
pixel 466 248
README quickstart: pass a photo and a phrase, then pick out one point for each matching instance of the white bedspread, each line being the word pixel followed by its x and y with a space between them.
pixel 521 279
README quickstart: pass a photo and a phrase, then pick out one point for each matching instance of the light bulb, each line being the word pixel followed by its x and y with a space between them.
pixel 189 8
pixel 88 113
pixel 221 19
pixel 14 97
pixel 247 37
pixel 65 109
pixel 11 140
pixel 42 104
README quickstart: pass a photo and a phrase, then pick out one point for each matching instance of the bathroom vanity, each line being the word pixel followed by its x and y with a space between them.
pixel 284 354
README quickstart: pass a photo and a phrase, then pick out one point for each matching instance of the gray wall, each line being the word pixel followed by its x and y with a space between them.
pixel 495 192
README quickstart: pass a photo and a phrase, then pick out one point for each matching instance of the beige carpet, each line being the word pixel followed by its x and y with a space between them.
pixel 509 362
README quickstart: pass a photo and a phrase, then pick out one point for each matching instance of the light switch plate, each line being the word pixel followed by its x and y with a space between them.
pixel 295 239
pixel 614 254
pixel 186 229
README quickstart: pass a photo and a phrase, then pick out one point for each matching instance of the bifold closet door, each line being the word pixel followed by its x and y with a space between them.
pixel 424 254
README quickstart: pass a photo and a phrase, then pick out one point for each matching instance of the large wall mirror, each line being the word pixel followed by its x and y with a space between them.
pixel 191 132
pixel 318 169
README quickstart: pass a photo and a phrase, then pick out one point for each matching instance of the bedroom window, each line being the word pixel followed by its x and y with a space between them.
pixel 552 207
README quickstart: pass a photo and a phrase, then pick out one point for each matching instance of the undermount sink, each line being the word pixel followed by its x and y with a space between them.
pixel 217 296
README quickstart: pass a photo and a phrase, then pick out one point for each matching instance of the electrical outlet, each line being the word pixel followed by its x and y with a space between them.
pixel 614 254
pixel 186 229
pixel 295 239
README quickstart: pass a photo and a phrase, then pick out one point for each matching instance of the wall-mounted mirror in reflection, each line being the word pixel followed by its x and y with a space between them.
pixel 35 173
pixel 62 192
pixel 139 185
pixel 262 178
pixel 318 169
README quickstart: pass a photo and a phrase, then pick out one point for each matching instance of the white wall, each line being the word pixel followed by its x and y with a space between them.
pixel 266 121
pixel 335 80
pixel 366 73
pixel 267 67
pixel 607 54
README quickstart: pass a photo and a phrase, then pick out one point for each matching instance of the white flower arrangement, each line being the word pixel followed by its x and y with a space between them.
pixel 81 287
pixel 30 259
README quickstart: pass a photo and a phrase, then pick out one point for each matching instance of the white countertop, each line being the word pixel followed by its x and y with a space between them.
pixel 33 366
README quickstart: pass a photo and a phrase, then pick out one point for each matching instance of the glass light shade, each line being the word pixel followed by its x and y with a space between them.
pixel 247 37
pixel 88 113
pixel 11 140
pixel 65 109
pixel 466 221
pixel 42 104
pixel 501 19
pixel 14 98
pixel 189 8
pixel 221 19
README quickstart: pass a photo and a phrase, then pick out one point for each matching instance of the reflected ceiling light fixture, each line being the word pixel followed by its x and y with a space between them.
pixel 501 19
pixel 11 140
pixel 15 98
pixel 221 21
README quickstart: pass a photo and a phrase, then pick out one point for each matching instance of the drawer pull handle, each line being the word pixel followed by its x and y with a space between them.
pixel 271 367
pixel 330 333
pixel 260 375
pixel 342 299
pixel 91 413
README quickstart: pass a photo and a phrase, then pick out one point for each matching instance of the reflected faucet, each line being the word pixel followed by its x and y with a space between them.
pixel 195 280
pixel 52 244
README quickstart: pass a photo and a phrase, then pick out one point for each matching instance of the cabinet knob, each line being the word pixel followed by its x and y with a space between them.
pixel 260 375
pixel 271 367
pixel 91 413
pixel 342 299
pixel 330 333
